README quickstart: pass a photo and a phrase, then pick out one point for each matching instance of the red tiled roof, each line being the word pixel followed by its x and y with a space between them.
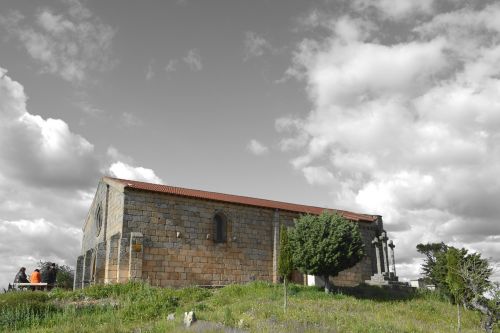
pixel 238 199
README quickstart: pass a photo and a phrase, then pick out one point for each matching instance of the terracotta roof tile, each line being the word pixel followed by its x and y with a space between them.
pixel 238 199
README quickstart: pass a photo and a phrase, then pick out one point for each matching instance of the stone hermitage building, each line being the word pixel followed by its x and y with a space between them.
pixel 171 236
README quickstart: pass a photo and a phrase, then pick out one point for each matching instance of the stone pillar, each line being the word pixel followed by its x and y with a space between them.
pixel 87 269
pixel 77 282
pixel 276 242
pixel 383 240
pixel 123 259
pixel 111 271
pixel 135 256
pixel 393 261
pixel 375 242
pixel 100 262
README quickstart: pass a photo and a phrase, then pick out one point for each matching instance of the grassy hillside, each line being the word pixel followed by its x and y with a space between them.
pixel 255 307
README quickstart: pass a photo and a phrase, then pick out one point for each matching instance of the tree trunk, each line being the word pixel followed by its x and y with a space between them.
pixel 327 283
pixel 459 328
pixel 488 323
pixel 489 320
pixel 285 294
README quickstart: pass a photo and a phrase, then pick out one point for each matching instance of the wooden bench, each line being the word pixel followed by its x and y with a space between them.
pixel 41 285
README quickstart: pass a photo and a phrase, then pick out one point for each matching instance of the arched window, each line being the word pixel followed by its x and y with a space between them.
pixel 220 227
pixel 98 219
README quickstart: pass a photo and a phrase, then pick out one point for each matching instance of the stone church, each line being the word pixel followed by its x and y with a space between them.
pixel 172 236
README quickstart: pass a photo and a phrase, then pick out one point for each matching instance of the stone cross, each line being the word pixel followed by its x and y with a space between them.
pixel 383 239
pixel 375 242
pixel 393 261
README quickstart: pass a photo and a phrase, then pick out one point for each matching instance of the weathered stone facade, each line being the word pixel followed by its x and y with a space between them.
pixel 169 239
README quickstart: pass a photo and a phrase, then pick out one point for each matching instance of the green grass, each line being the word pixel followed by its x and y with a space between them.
pixel 254 307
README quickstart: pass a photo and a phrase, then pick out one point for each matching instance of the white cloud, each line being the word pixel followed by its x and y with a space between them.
pixel 397 9
pixel 129 119
pixel 26 242
pixel 41 236
pixel 36 150
pixel 69 44
pixel 317 175
pixel 255 45
pixel 126 171
pixel 171 66
pixel 257 148
pixel 48 176
pixel 287 124
pixel 89 108
pixel 409 129
pixel 115 155
pixel 193 60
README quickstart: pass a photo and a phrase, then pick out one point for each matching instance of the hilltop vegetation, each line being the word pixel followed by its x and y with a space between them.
pixel 254 307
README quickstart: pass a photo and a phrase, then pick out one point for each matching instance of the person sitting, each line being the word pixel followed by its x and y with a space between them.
pixel 21 276
pixel 36 277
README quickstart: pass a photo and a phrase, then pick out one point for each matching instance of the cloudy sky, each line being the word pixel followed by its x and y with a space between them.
pixel 387 107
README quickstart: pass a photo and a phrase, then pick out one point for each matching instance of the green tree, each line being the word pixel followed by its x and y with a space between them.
pixel 435 267
pixel 64 277
pixel 285 264
pixel 464 278
pixel 454 280
pixel 325 245
pixel 432 252
pixel 475 273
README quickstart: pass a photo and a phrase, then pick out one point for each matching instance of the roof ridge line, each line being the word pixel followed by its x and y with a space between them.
pixel 224 197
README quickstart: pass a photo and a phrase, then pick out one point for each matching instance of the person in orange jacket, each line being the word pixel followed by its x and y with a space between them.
pixel 36 277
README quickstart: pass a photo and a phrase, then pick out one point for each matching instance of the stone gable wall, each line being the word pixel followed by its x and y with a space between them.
pixel 90 237
pixel 98 262
pixel 111 225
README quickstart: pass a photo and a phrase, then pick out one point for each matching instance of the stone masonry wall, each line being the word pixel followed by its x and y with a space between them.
pixel 178 246
pixel 178 240
pixel 115 212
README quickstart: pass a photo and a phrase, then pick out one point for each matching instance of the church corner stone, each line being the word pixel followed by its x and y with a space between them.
pixel 175 240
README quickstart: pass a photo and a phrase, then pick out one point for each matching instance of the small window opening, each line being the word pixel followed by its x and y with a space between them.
pixel 98 219
pixel 220 226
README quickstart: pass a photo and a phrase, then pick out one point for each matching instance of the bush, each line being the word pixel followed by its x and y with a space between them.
pixel 325 245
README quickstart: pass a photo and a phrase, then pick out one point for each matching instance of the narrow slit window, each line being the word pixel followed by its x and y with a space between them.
pixel 98 219
pixel 219 229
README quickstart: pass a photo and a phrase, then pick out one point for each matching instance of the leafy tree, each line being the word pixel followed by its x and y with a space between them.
pixel 325 245
pixel 464 278
pixel 475 273
pixel 285 264
pixel 64 277
pixel 456 285
pixel 435 266
pixel 432 252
